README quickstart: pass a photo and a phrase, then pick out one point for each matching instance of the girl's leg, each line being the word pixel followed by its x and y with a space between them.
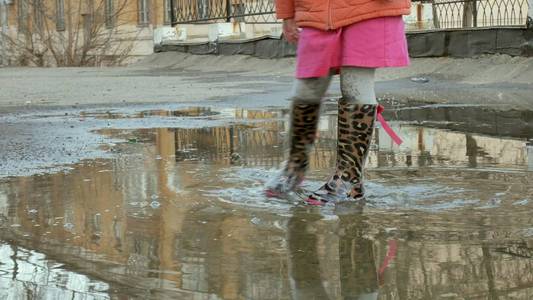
pixel 310 90
pixel 357 114
pixel 305 113
pixel 357 85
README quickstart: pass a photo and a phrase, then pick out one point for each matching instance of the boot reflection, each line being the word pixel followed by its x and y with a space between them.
pixel 304 269
pixel 356 261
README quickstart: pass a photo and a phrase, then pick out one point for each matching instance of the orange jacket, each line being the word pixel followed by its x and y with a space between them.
pixel 333 14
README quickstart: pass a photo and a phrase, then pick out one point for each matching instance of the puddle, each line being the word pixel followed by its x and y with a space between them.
pixel 177 212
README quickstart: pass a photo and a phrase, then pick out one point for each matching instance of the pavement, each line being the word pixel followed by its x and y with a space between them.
pixel 177 78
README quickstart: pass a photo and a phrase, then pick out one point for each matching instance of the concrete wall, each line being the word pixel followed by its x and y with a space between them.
pixel 468 43
pixel 452 43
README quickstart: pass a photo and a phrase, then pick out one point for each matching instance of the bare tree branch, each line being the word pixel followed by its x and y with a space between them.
pixel 86 40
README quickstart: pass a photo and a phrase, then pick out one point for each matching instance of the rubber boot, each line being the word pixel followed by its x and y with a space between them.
pixel 304 121
pixel 355 129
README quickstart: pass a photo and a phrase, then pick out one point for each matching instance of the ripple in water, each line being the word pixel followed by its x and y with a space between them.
pixel 246 187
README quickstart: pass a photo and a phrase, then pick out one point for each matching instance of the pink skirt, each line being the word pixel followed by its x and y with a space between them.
pixel 374 43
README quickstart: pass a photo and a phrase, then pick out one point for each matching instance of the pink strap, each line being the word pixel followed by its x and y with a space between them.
pixel 391 255
pixel 387 128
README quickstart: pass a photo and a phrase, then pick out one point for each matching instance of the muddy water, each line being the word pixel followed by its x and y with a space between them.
pixel 178 213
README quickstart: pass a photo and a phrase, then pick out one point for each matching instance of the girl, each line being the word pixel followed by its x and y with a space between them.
pixel 353 38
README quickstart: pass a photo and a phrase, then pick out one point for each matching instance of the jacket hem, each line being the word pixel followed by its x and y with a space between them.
pixel 346 22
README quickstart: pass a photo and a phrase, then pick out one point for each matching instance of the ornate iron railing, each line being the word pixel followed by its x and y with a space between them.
pixel 249 11
pixel 446 13
pixel 479 13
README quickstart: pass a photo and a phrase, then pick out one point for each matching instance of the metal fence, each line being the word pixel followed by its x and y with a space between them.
pixel 201 11
pixel 445 13
pixel 479 13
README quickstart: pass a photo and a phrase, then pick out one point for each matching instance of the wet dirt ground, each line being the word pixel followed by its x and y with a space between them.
pixel 167 203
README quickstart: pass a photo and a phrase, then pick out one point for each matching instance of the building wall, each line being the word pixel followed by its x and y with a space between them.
pixel 128 30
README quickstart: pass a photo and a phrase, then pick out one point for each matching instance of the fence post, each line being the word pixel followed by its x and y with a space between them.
pixel 530 14
pixel 3 20
pixel 468 14
pixel 228 10
pixel 436 21
pixel 173 12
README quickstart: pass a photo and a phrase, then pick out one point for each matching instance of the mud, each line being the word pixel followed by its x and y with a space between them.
pixel 176 210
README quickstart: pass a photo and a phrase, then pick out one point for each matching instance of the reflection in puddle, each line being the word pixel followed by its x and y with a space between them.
pixel 26 274
pixel 180 214
pixel 193 112
pixel 530 156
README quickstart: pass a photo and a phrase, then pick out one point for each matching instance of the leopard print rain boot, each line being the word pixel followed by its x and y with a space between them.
pixel 355 129
pixel 304 120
